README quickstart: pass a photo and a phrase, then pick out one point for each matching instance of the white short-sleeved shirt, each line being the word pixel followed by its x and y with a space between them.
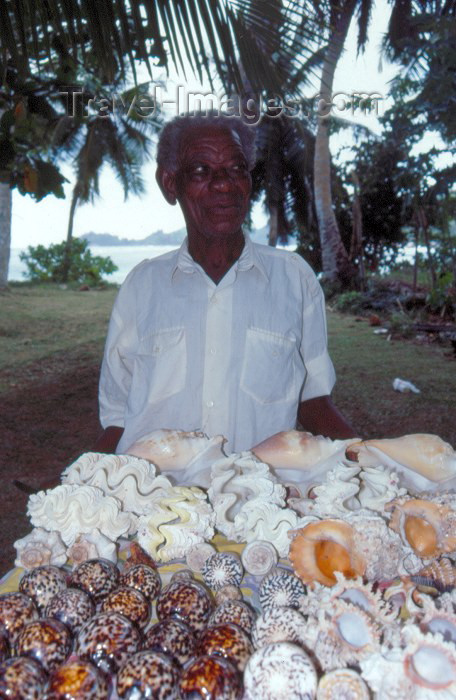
pixel 233 358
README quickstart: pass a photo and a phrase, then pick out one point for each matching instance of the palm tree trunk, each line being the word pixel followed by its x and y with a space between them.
pixel 69 241
pixel 337 269
pixel 5 232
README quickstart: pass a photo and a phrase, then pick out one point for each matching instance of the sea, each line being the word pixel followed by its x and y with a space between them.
pixel 124 256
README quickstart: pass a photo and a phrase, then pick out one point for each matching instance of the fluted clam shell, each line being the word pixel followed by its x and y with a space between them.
pixel 72 510
pixel 424 461
pixel 40 547
pixel 179 521
pixel 260 520
pixel 130 479
pixel 336 495
pixel 187 455
pixel 379 485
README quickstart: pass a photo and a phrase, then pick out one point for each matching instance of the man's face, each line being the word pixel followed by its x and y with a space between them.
pixel 212 184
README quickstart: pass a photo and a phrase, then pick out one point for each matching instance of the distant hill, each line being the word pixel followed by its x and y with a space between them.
pixel 259 235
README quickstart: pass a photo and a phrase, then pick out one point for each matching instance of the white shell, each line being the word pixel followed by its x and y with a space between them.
pixel 179 521
pixel 379 485
pixel 424 462
pixel 92 545
pixel 278 625
pixel 238 481
pixel 133 481
pixel 258 557
pixel 280 671
pixel 337 495
pixel 342 683
pixel 187 456
pixel 260 520
pixel 198 554
pixel 38 548
pixel 72 510
pixel 222 569
pixel 424 668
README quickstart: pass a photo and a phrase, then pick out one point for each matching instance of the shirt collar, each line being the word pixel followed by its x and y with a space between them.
pixel 249 258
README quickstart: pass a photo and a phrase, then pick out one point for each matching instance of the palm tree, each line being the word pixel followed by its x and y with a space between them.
pixel 5 232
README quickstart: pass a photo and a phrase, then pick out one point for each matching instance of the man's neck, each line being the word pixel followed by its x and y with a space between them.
pixel 216 256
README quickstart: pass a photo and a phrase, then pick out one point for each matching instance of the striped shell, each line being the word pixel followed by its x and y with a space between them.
pixel 342 683
pixel 278 625
pixel 280 671
pixel 280 588
pixel 222 569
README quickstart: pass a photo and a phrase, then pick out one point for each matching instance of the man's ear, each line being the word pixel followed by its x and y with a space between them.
pixel 167 183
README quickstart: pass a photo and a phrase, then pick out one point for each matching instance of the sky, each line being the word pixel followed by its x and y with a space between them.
pixel 46 221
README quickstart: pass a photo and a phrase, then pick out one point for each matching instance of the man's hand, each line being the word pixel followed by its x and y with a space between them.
pixel 108 440
pixel 321 417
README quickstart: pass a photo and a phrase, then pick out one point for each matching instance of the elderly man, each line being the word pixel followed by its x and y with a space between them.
pixel 222 335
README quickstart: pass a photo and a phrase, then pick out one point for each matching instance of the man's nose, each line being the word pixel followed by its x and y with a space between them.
pixel 222 180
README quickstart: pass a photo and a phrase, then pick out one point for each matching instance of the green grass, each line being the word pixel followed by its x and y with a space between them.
pixel 44 325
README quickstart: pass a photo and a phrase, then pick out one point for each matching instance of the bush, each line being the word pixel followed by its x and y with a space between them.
pixel 350 301
pixel 46 264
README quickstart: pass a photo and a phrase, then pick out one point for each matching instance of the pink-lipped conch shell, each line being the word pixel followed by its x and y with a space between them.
pixel 188 456
pixel 425 462
pixel 300 457
pixel 427 526
pixel 321 548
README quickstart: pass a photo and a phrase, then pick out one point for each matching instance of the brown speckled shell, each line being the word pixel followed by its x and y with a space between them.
pixel 72 607
pixel 46 641
pixel 16 610
pixel 21 679
pixel 187 601
pixel 233 611
pixel 172 637
pixel 210 678
pixel 4 645
pixel 130 603
pixel 97 577
pixel 149 674
pixel 78 680
pixel 227 640
pixel 107 640
pixel 144 579
pixel 42 583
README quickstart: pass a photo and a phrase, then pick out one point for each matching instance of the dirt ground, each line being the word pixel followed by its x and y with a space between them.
pixel 57 391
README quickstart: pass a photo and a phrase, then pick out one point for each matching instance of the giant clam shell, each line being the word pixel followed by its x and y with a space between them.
pixel 260 520
pixel 108 640
pixel 46 641
pixel 22 679
pixel 78 680
pixel 72 510
pixel 280 671
pixel 180 520
pixel 16 610
pixel 148 674
pixel 428 527
pixel 210 678
pixel 133 481
pixel 335 496
pixel 188 456
pixel 425 462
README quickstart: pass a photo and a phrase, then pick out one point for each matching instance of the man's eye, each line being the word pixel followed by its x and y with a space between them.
pixel 198 170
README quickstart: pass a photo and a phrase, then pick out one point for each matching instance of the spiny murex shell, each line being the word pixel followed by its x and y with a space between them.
pixel 72 510
pixel 189 453
pixel 179 521
pixel 133 481
pixel 237 481
pixel 40 547
pixel 427 526
pixel 425 462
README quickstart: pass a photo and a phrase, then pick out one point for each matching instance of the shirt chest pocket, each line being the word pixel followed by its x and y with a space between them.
pixel 272 370
pixel 161 365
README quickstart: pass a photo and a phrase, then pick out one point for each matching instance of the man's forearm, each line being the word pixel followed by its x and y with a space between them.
pixel 109 439
pixel 321 417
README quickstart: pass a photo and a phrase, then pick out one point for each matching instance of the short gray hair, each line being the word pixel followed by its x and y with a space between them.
pixel 171 135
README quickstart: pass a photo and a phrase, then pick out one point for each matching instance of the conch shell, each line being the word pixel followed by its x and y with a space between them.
pixel 73 510
pixel 133 481
pixel 179 521
pixel 424 461
pixel 301 457
pixel 186 455
pixel 428 527
pixel 39 548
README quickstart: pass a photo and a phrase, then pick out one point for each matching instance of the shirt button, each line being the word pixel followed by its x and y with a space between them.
pixel 209 404
pixel 213 351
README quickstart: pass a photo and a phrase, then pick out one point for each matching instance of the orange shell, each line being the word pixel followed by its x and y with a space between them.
pixel 428 527
pixel 323 547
